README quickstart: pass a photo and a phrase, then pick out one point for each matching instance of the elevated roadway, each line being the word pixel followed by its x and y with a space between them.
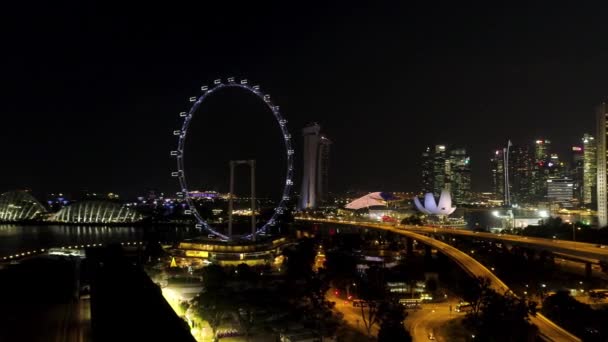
pixel 587 252
pixel 548 330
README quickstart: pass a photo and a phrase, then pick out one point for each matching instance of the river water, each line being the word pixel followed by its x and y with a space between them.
pixel 16 238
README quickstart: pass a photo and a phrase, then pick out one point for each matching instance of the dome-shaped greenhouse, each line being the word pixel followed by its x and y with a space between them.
pixel 96 212
pixel 18 206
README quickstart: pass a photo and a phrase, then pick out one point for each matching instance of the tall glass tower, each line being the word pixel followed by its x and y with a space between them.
pixel 498 174
pixel 460 175
pixel 589 170
pixel 602 130
pixel 316 167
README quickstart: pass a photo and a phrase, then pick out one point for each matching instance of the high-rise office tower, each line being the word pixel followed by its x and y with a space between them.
pixel 497 163
pixel 308 196
pixel 427 171
pixel 602 130
pixel 542 150
pixel 520 171
pixel 444 169
pixel 589 171
pixel 316 166
pixel 441 170
pixel 460 175
pixel 560 191
pixel 541 169
pixel 323 169
pixel 576 172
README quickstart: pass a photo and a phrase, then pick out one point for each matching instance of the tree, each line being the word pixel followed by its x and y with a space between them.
pixel 431 285
pixel 415 220
pixel 212 306
pixel 369 315
pixel 214 277
pixel 341 269
pixel 497 317
pixel 372 290
pixel 475 290
pixel 391 323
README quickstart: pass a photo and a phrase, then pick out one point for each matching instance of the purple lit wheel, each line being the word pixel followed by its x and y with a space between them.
pixel 179 153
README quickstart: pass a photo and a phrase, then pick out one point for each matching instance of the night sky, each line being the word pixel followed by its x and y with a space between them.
pixel 92 94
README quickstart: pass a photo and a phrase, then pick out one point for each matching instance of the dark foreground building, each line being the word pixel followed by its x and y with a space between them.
pixel 126 305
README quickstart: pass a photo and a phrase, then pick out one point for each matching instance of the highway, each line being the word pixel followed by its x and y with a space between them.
pixel 580 249
pixel 548 330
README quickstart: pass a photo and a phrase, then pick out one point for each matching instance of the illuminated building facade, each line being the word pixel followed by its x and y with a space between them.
pixel 323 169
pixel 444 169
pixel 441 170
pixel 315 179
pixel 545 166
pixel 95 211
pixel 427 171
pixel 560 191
pixel 576 172
pixel 542 149
pixel 460 175
pixel 589 171
pixel 520 174
pixel 602 130
pixel 18 206
pixel 497 163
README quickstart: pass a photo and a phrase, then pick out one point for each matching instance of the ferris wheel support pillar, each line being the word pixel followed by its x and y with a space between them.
pixel 252 167
pixel 230 198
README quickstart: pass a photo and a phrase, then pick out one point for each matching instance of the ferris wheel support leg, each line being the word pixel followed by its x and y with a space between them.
pixel 252 166
pixel 230 199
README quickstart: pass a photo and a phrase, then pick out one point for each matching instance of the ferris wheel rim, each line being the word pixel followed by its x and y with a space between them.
pixel 183 133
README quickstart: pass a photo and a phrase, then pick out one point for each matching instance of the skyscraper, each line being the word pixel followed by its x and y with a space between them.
pixel 316 167
pixel 602 130
pixel 520 171
pixel 542 150
pixel 576 172
pixel 560 191
pixel 427 171
pixel 541 169
pixel 460 175
pixel 589 171
pixel 447 169
pixel 441 170
pixel 497 163
pixel 323 169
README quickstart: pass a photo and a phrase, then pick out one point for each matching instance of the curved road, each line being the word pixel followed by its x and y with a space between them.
pixel 580 249
pixel 548 330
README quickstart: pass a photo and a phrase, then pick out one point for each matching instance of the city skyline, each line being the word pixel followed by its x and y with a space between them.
pixel 282 171
pixel 98 112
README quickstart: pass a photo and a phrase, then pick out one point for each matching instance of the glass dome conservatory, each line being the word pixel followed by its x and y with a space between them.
pixel 96 212
pixel 18 206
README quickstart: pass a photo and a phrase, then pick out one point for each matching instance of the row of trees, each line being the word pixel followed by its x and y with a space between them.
pixel 268 302
pixel 496 317
pixel 379 309
pixel 577 317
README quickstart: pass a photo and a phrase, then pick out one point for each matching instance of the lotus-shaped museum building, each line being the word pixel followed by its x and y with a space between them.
pixel 443 208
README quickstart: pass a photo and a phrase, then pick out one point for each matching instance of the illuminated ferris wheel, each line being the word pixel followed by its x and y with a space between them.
pixel 179 154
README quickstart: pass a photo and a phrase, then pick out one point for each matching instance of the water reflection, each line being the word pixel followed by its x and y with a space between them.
pixel 18 238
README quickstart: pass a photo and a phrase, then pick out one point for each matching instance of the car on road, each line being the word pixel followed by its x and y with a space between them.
pixel 598 293
pixel 359 303
pixel 464 307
